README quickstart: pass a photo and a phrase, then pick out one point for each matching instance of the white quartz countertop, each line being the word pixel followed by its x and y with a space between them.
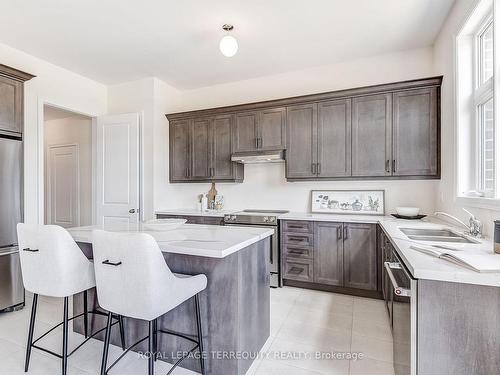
pixel 211 241
pixel 194 212
pixel 421 266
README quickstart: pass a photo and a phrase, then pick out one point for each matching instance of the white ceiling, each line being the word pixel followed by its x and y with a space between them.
pixel 115 41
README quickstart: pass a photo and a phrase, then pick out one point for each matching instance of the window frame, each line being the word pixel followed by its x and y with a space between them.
pixel 483 93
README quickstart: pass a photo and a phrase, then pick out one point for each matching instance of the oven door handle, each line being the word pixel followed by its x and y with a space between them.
pixel 399 291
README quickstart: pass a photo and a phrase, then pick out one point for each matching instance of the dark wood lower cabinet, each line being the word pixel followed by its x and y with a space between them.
pixel 206 220
pixel 340 257
pixel 360 256
pixel 328 253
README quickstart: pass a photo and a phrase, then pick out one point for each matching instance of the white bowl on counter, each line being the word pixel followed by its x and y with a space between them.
pixel 163 224
pixel 408 211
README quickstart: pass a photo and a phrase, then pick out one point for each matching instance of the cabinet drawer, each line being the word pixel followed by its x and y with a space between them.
pixel 301 270
pixel 303 252
pixel 298 226
pixel 298 239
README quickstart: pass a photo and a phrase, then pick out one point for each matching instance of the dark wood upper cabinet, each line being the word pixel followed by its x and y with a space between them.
pixel 11 100
pixel 223 167
pixel 180 159
pixel 200 161
pixel 301 154
pixel 328 253
pixel 360 256
pixel 388 131
pixel 200 150
pixel 415 133
pixel 371 135
pixel 334 139
pixel 246 132
pixel 272 129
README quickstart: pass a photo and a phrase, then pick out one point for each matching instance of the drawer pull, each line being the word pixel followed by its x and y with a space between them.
pixel 298 252
pixel 295 226
pixel 296 239
pixel 296 270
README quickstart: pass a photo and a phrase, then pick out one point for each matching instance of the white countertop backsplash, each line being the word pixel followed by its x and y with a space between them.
pixel 211 241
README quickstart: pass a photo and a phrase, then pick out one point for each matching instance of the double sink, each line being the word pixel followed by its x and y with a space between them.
pixel 435 235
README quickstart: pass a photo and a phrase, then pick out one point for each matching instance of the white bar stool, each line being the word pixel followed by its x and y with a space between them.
pixel 133 280
pixel 53 265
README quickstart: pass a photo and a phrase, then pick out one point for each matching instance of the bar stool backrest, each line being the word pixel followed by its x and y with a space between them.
pixel 52 264
pixel 132 276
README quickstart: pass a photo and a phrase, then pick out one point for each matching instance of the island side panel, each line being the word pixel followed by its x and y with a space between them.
pixel 254 301
pixel 458 328
pixel 224 309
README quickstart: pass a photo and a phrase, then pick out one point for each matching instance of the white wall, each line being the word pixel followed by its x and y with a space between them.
pixel 264 186
pixel 58 87
pixel 74 130
pixel 444 64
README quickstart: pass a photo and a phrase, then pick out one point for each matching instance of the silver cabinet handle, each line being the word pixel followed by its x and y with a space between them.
pixel 313 168
pixel 388 166
pixel 394 165
pixel 339 232
pixel 346 231
pixel 133 211
pixel 389 266
pixel 319 169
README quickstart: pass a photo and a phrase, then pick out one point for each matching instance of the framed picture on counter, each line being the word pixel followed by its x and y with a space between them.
pixel 352 202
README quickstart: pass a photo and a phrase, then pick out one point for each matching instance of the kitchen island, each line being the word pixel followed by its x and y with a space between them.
pixel 235 307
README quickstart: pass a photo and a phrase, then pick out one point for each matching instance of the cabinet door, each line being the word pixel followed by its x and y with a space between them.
pixel 11 105
pixel 271 129
pixel 222 167
pixel 179 150
pixel 301 153
pixel 415 133
pixel 360 256
pixel 200 162
pixel 245 132
pixel 371 135
pixel 334 138
pixel 328 253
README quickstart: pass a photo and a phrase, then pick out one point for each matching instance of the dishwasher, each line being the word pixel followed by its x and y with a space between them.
pixel 403 311
pixel 11 283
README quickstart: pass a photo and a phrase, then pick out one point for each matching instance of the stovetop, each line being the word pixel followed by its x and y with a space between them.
pixel 254 217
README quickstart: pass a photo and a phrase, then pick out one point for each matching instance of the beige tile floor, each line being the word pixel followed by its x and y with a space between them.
pixel 304 323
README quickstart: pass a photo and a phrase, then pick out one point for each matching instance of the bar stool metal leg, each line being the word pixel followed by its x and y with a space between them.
pixel 200 335
pixel 65 338
pixel 106 344
pixel 155 328
pixel 151 363
pixel 30 333
pixel 85 315
pixel 122 331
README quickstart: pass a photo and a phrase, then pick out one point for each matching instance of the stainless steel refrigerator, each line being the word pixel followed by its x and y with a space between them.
pixel 11 211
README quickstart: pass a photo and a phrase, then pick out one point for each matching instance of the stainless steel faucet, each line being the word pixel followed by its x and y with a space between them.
pixel 475 227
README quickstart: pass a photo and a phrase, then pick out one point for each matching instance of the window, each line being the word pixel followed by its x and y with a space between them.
pixel 484 111
pixel 477 166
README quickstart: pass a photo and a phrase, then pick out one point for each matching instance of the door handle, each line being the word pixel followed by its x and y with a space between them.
pixel 387 166
pixel 345 232
pixel 319 169
pixel 339 232
pixel 394 165
pixel 256 142
pixel 133 211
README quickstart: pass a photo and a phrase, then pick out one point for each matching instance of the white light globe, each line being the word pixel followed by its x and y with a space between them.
pixel 228 46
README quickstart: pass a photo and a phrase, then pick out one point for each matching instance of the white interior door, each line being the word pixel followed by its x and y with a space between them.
pixel 117 167
pixel 63 185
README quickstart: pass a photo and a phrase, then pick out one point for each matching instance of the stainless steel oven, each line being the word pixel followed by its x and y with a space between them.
pixel 402 304
pixel 264 219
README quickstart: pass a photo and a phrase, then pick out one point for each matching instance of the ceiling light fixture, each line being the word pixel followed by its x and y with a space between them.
pixel 228 44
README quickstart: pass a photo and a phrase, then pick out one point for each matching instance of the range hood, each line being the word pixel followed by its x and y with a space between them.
pixel 254 157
